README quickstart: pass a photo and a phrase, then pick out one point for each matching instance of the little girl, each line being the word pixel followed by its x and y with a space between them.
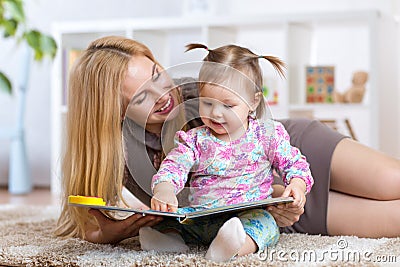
pixel 229 160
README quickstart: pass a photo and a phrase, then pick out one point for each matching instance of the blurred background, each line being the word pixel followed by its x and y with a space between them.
pixel 44 14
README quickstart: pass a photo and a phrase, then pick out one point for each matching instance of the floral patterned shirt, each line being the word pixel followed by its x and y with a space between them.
pixel 224 173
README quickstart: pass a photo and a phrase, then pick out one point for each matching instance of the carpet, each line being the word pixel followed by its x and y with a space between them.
pixel 26 240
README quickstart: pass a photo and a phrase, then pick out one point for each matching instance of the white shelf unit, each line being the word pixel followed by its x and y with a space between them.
pixel 348 40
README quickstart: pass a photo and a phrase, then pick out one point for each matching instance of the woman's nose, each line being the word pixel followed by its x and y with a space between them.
pixel 159 93
pixel 162 97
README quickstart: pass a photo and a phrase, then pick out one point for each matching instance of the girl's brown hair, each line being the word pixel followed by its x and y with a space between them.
pixel 231 59
pixel 93 162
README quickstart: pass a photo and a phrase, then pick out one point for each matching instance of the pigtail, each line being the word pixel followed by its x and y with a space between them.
pixel 195 46
pixel 277 63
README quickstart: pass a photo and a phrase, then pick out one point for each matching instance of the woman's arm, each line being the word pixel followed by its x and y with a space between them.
pixel 114 231
pixel 110 231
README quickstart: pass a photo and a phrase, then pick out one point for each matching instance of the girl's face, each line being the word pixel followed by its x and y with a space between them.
pixel 224 111
pixel 148 94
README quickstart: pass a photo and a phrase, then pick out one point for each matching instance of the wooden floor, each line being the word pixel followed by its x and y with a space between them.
pixel 38 196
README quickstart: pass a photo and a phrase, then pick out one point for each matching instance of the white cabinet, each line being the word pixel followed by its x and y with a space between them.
pixel 350 41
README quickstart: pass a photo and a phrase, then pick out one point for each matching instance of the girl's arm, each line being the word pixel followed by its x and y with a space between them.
pixel 288 160
pixel 294 170
pixel 173 173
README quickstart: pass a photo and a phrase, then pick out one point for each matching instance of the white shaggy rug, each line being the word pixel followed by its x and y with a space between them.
pixel 26 240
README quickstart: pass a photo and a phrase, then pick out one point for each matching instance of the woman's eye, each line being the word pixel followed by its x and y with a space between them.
pixel 141 99
pixel 169 87
pixel 228 106
pixel 156 74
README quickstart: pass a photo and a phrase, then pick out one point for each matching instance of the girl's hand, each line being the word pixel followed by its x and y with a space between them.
pixel 109 231
pixel 164 198
pixel 296 189
pixel 164 202
pixel 288 214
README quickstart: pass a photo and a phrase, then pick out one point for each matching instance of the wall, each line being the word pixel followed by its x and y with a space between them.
pixel 41 14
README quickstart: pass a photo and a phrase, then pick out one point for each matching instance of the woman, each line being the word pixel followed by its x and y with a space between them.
pixel 358 182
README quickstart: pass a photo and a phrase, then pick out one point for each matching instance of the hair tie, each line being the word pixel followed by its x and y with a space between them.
pixel 260 57
pixel 206 48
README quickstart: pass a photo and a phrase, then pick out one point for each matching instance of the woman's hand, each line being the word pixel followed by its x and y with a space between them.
pixel 288 214
pixel 164 198
pixel 285 214
pixel 110 231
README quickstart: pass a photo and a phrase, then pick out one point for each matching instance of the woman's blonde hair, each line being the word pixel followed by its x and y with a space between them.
pixel 237 66
pixel 93 162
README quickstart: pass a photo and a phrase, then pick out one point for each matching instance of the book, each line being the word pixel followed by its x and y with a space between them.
pixel 98 203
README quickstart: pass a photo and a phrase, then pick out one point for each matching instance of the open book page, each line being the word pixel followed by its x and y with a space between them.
pixel 94 203
pixel 240 207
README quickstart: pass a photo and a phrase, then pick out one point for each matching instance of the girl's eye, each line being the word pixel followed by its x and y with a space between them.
pixel 206 103
pixel 228 106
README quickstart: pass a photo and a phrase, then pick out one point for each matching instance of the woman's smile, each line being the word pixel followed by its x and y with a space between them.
pixel 167 106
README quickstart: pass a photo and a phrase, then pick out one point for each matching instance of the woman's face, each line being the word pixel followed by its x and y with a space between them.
pixel 149 94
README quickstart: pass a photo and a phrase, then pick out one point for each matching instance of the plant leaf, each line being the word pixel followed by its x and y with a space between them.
pixel 48 45
pixel 1 11
pixel 10 27
pixel 41 44
pixel 16 9
pixel 5 84
pixel 33 39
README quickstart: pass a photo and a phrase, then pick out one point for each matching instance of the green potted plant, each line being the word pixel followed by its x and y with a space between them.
pixel 31 41
pixel 13 25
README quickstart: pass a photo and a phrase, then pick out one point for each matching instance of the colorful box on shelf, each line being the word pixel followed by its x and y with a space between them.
pixel 270 91
pixel 320 81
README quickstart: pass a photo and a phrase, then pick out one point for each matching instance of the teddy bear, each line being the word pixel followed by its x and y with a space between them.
pixel 356 92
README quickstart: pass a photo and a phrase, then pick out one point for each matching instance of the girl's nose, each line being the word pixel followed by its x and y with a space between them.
pixel 216 111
